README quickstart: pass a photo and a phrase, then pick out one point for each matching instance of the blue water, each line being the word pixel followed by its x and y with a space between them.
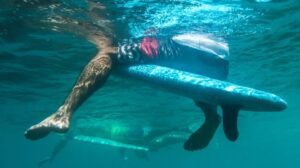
pixel 40 59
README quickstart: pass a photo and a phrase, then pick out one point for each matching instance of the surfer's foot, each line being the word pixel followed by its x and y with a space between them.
pixel 58 122
pixel 44 161
pixel 142 155
pixel 201 138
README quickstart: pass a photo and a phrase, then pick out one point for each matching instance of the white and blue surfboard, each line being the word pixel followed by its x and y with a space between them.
pixel 205 89
pixel 194 74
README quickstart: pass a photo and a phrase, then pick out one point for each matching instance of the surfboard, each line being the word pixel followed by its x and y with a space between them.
pixel 202 88
pixel 109 142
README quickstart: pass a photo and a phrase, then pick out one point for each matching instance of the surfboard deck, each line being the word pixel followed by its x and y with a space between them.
pixel 202 88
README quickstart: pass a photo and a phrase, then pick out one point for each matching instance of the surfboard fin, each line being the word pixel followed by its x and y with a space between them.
pixel 230 117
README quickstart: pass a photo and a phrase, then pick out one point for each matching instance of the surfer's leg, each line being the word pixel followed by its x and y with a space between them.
pixel 122 152
pixel 57 149
pixel 201 138
pixel 92 78
pixel 142 154
pixel 230 117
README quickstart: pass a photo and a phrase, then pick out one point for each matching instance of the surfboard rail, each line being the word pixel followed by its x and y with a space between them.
pixel 108 142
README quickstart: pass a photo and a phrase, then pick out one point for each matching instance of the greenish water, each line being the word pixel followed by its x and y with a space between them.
pixel 40 61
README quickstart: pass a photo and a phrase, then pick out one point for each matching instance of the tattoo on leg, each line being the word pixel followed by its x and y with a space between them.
pixel 92 78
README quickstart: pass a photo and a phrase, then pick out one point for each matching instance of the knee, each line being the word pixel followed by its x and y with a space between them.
pixel 100 66
pixel 103 58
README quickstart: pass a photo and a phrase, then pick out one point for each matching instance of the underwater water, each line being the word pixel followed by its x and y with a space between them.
pixel 41 56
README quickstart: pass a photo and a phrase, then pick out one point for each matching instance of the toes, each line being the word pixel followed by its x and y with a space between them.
pixel 36 133
pixel 196 141
pixel 56 123
pixel 43 129
pixel 201 138
pixel 190 146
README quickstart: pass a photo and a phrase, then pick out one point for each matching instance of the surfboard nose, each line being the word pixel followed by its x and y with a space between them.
pixel 276 104
pixel 281 104
pixel 267 102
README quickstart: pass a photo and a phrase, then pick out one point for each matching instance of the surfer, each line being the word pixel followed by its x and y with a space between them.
pixel 193 53
pixel 171 52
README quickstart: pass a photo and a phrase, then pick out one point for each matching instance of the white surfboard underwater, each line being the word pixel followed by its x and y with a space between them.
pixel 123 135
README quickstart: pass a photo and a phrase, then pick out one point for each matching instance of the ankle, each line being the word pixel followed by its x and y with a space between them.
pixel 62 112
